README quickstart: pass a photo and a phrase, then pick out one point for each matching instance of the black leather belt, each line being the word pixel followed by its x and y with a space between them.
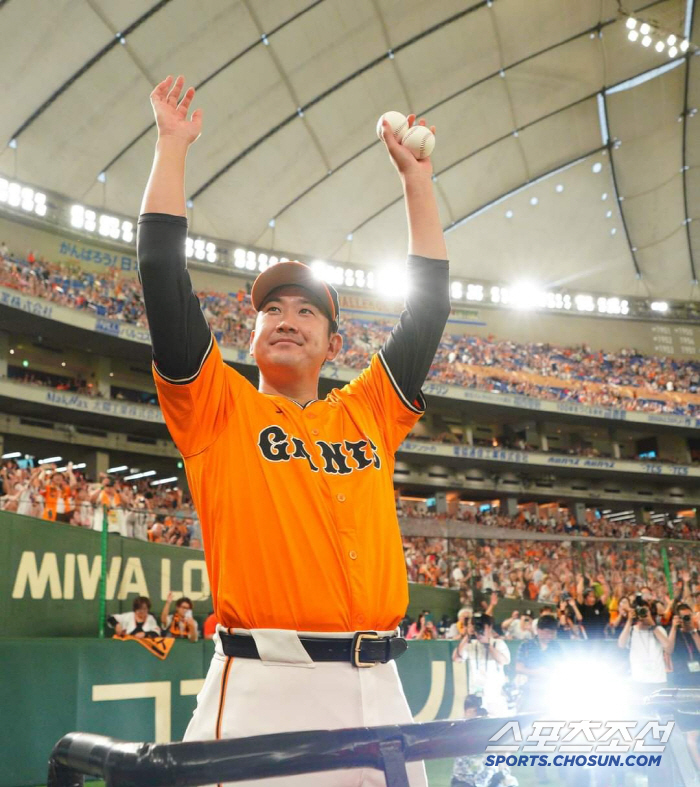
pixel 365 649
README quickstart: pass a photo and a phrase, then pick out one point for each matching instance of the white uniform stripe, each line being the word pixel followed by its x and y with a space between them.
pixel 398 390
pixel 181 380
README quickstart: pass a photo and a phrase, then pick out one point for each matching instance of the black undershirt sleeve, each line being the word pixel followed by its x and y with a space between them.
pixel 180 335
pixel 410 348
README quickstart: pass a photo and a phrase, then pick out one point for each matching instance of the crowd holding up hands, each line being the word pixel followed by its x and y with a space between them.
pixel 540 370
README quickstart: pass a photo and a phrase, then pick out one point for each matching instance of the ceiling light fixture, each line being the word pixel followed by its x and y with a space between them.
pixel 645 29
pixel 631 23
pixel 646 41
pixel 633 35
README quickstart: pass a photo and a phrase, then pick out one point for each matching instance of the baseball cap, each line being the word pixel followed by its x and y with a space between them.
pixel 300 274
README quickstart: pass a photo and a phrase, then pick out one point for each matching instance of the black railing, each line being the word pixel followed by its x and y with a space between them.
pixel 386 749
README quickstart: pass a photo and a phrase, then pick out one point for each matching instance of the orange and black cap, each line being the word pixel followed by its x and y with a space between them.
pixel 284 274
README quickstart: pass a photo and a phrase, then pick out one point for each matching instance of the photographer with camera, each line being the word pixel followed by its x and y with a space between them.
pixel 684 648
pixel 486 656
pixel 570 619
pixel 647 642
pixel 517 626
pixel 471 770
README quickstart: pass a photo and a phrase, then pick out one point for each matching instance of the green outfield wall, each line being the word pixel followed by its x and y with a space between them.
pixel 55 686
pixel 49 579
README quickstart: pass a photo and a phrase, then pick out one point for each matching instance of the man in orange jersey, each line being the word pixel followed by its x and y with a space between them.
pixel 59 495
pixel 294 494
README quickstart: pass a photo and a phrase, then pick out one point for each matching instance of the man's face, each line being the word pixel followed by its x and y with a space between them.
pixel 546 635
pixel 589 599
pixel 183 609
pixel 141 614
pixel 57 479
pixel 291 333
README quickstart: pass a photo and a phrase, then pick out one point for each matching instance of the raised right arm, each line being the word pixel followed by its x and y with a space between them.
pixel 180 335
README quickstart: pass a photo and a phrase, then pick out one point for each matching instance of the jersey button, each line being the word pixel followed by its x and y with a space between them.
pixel 353 556
pixel 314 431
pixel 341 498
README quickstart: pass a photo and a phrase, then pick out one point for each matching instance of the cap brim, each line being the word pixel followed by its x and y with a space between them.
pixel 292 273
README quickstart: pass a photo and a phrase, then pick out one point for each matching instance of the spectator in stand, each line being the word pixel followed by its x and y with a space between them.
pixel 178 533
pixel 423 628
pixel 107 500
pixel 139 623
pixel 209 627
pixel 458 629
pixel 594 612
pixel 59 495
pixel 479 594
pixel 181 624
pixel 158 530
pixel 138 517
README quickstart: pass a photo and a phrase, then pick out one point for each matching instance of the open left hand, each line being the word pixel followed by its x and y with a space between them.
pixel 405 162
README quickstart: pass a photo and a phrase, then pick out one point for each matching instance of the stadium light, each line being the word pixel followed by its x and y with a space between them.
pixel 164 481
pixel 475 292
pixel 631 23
pixel 139 475
pixel 584 303
pixel 391 281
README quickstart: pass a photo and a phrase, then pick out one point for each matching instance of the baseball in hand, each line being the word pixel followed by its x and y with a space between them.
pixel 420 140
pixel 397 122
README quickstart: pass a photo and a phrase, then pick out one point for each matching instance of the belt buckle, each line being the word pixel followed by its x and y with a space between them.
pixel 357 644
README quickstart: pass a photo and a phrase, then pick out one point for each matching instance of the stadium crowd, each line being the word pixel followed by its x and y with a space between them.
pixel 134 508
pixel 545 371
pixel 559 523
pixel 483 570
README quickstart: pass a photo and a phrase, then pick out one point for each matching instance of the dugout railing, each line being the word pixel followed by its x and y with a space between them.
pixel 387 749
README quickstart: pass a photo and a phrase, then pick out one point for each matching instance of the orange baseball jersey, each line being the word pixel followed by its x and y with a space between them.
pixel 296 503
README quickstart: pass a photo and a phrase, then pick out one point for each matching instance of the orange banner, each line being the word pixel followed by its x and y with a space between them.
pixel 158 646
pixel 627 391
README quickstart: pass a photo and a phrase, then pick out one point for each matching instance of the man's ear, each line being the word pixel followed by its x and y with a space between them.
pixel 335 344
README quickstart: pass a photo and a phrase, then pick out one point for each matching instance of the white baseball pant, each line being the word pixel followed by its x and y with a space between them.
pixel 284 691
